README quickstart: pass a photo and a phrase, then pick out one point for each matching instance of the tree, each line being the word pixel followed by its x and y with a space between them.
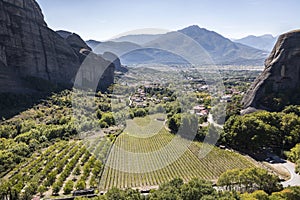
pixel 108 118
pixel 259 194
pixel 115 194
pixel 294 156
pixel 51 178
pixel 196 189
pixel 291 193
pixel 68 187
pixel 132 194
pixel 55 188
pixel 173 124
pixel 77 171
pixel 41 190
pixel 140 112
pixel 249 180
pixel 170 190
pixel 80 185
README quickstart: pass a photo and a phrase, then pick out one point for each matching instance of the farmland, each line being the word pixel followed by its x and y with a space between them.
pixel 78 163
pixel 161 157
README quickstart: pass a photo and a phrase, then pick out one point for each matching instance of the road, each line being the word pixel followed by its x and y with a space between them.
pixel 211 121
pixel 295 178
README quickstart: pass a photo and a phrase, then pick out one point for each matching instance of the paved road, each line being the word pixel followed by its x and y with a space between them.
pixel 295 178
pixel 211 121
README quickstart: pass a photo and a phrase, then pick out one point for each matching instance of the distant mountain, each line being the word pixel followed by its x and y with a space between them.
pixel 118 48
pixel 190 45
pixel 264 42
pixel 138 39
pixel 213 48
pixel 152 55
pixel 131 53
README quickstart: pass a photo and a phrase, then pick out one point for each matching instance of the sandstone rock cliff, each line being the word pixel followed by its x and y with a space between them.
pixel 279 84
pixel 28 48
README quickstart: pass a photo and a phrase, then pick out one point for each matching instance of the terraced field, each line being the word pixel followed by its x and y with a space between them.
pixel 141 159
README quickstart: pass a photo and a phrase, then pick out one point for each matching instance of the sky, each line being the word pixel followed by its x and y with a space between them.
pixel 105 19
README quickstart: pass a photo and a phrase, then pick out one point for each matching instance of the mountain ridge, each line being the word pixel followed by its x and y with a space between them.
pixel 216 48
pixel 263 42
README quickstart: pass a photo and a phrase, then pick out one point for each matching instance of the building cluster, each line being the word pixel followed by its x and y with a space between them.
pixel 142 98
pixel 200 110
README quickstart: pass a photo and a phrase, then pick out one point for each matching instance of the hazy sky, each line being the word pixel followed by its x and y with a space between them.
pixel 103 19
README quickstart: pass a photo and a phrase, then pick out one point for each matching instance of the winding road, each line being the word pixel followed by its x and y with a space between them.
pixel 295 178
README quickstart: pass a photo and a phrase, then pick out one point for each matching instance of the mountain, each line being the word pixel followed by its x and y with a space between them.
pixel 264 42
pixel 31 50
pixel 279 83
pixel 222 50
pixel 198 46
pixel 131 53
pixel 138 39
pixel 190 45
pixel 118 48
pixel 35 59
pixel 152 55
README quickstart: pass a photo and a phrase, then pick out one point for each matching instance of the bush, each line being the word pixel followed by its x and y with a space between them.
pixel 55 188
pixel 68 187
pixel 80 185
pixel 140 112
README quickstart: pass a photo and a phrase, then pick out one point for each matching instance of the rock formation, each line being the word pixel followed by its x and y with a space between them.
pixel 28 48
pixel 279 83
pixel 116 60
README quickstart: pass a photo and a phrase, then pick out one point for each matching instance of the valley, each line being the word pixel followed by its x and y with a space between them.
pixel 126 139
pixel 182 112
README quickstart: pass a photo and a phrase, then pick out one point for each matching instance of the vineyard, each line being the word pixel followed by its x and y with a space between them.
pixel 145 154
pixel 143 161
pixel 61 168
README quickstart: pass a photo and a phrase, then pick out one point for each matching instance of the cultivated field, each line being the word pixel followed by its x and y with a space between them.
pixel 49 170
pixel 140 160
pixel 141 157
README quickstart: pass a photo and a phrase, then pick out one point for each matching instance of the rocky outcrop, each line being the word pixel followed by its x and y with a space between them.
pixel 28 48
pixel 279 84
pixel 74 41
pixel 116 60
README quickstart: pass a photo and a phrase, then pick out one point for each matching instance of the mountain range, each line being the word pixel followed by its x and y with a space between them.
pixel 139 39
pixel 191 45
pixel 263 42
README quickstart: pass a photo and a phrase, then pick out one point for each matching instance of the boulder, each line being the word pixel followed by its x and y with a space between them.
pixel 279 83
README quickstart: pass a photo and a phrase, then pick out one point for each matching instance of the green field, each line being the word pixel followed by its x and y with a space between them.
pixel 141 157
pixel 161 157
pixel 48 171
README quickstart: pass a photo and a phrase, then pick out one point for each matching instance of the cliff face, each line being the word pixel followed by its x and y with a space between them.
pixel 279 84
pixel 116 60
pixel 28 48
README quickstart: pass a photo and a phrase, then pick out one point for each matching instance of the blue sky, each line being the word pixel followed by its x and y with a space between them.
pixel 103 19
